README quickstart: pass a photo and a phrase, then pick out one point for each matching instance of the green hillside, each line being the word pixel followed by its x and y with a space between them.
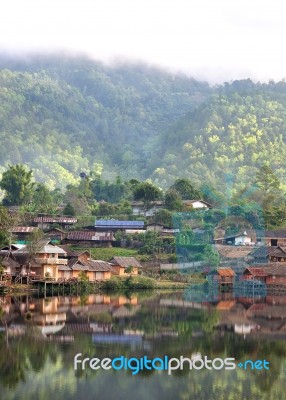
pixel 65 115
pixel 61 116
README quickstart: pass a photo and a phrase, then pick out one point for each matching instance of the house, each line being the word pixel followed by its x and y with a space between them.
pixel 272 237
pixel 95 270
pixel 49 222
pixel 240 239
pixel 255 274
pixel 112 225
pixel 43 263
pixel 265 254
pixel 276 274
pixel 120 264
pixel 221 276
pixel 278 254
pixel 90 238
pixel 162 229
pixel 271 274
pixel 80 261
pixel 260 255
pixel 197 204
pixel 22 233
pixel 56 234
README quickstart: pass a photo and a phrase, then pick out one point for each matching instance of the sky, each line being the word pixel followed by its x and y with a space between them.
pixel 214 40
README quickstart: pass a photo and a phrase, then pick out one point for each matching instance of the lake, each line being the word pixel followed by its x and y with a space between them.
pixel 40 337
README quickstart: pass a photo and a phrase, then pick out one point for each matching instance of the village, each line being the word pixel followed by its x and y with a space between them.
pixel 63 253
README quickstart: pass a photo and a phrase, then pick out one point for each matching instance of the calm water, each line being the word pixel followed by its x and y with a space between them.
pixel 40 337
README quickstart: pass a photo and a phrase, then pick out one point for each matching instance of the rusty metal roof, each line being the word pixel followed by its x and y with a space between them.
pixel 225 271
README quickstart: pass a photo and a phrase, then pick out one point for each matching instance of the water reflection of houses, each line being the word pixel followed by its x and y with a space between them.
pixel 47 317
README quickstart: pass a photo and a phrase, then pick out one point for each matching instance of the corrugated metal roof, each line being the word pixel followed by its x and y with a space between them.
pixel 120 224
pixel 98 265
pixel 225 272
pixel 90 265
pixel 126 262
pixel 23 229
pixel 256 271
pixel 90 235
pixel 67 220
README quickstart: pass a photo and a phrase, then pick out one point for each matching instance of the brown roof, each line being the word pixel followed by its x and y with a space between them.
pixel 67 220
pixel 73 253
pixel 64 268
pixel 225 271
pixel 10 262
pixel 90 235
pixel 98 265
pixel 256 271
pixel 279 252
pixel 90 265
pixel 276 269
pixel 277 233
pixel 126 262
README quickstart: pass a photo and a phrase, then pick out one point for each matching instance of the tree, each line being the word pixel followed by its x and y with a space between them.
pixel 164 217
pixel 173 200
pixel 18 185
pixel 211 256
pixel 186 189
pixel 69 210
pixel 147 193
pixel 43 200
pixel 266 180
pixel 7 221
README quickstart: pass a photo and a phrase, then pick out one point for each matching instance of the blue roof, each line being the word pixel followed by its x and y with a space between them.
pixel 113 222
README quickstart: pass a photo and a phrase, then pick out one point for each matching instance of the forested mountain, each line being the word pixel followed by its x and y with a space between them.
pixel 226 140
pixel 64 115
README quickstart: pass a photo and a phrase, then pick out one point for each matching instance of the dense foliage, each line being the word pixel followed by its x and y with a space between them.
pixel 62 115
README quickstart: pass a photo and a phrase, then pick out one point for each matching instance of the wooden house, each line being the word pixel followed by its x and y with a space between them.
pixel 95 270
pixel 255 274
pixel 44 263
pixel 49 222
pixel 221 276
pixel 276 274
pixel 278 254
pixel 120 264
pixel 275 237
pixel 56 235
pixel 22 233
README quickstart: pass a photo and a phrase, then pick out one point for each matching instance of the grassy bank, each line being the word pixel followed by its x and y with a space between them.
pixel 106 253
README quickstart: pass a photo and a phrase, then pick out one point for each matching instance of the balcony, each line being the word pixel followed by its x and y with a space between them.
pixel 52 261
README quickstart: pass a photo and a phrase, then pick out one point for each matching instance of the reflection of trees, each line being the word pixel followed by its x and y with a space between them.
pixel 13 362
